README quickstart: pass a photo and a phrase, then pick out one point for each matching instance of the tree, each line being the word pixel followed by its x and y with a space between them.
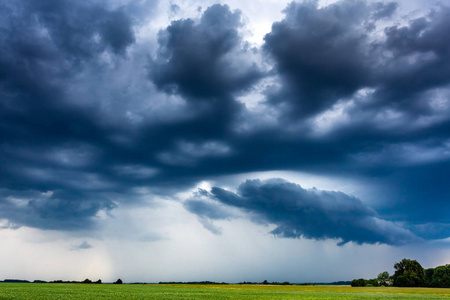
pixel 383 277
pixel 98 281
pixel 429 276
pixel 87 280
pixel 411 270
pixel 372 282
pixel 441 277
pixel 358 282
pixel 118 281
pixel 402 281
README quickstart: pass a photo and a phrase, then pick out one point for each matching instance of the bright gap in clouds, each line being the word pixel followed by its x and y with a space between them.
pixel 258 15
pixel 306 180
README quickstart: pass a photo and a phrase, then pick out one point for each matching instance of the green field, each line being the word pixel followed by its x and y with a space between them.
pixel 36 291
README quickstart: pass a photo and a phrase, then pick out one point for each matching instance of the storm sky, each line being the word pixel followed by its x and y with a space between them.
pixel 192 140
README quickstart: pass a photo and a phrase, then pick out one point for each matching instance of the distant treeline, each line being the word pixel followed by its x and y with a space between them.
pixel 330 283
pixel 38 281
pixel 266 282
pixel 191 282
pixel 409 273
pixel 305 283
pixel 118 281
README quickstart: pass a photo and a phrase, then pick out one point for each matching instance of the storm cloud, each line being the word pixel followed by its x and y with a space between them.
pixel 56 210
pixel 321 54
pixel 327 54
pixel 312 214
pixel 207 59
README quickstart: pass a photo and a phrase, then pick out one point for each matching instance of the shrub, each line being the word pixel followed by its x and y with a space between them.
pixel 402 281
pixel 358 282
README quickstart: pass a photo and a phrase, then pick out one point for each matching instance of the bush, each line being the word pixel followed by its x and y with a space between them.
pixel 372 282
pixel 358 282
pixel 402 281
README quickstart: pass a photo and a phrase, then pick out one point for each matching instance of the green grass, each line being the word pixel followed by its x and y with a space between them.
pixel 37 291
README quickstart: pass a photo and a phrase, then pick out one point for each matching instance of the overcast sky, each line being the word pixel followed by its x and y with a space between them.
pixel 192 140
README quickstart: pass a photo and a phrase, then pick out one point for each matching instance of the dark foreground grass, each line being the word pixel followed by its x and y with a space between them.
pixel 37 291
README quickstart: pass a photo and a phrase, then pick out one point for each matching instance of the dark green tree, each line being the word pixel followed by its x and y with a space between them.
pixel 358 282
pixel 118 281
pixel 441 277
pixel 402 281
pixel 87 280
pixel 429 276
pixel 411 270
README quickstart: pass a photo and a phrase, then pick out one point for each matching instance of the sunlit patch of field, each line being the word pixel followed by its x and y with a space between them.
pixel 38 291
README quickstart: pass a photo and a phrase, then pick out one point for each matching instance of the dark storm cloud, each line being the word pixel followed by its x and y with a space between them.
pixel 420 61
pixel 46 45
pixel 87 119
pixel 58 210
pixel 321 54
pixel 81 29
pixel 312 214
pixel 326 54
pixel 201 60
pixel 396 87
pixel 46 142
pixel 432 230
pixel 53 142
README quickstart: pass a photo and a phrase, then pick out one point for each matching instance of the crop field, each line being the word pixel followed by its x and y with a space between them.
pixel 37 291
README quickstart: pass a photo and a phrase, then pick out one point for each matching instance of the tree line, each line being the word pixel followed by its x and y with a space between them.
pixel 409 273
pixel 87 280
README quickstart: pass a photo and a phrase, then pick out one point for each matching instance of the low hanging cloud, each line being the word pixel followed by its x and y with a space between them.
pixel 297 212
pixel 82 246
pixel 53 210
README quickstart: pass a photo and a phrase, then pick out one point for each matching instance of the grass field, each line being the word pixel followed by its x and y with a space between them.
pixel 37 291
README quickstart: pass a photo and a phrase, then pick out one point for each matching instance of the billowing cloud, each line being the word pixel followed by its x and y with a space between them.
pixel 419 62
pixel 69 29
pixel 207 59
pixel 327 54
pixel 320 53
pixel 312 214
